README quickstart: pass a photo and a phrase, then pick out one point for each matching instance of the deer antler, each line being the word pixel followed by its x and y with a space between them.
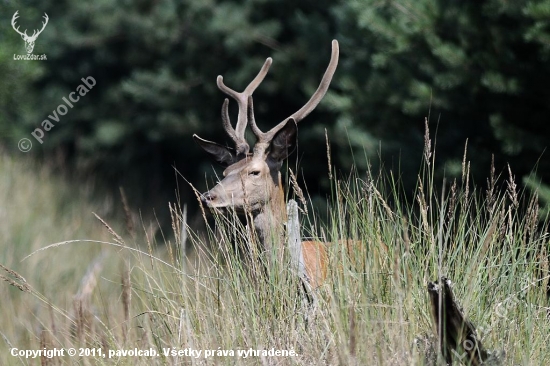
pixel 323 86
pixel 24 34
pixel 43 26
pixel 237 133
pixel 307 108
pixel 13 19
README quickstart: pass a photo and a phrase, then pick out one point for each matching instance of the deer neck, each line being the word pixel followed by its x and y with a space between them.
pixel 269 220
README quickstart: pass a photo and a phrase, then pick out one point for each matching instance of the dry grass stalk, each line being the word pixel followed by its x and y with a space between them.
pixel 126 298
pixel 491 184
pixel 176 227
pixel 105 343
pixel 170 250
pixel 52 320
pixel 383 202
pixel 329 161
pixel 45 343
pixel 352 332
pixel 116 237
pixel 511 189
pixel 79 320
pixel 532 218
pixel 183 230
pixel 22 287
pixel 490 237
pixel 464 161
pixel 452 201
pixel 10 345
pixel 19 281
pixel 127 213
pixel 421 198
pixel 406 237
pixel 298 191
pixel 544 259
pixel 179 227
pixel 427 142
pixel 149 246
pixel 174 219
pixel 465 172
pixel 467 185
pixel 14 274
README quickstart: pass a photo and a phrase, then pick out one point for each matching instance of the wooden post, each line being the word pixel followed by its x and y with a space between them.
pixel 295 249
pixel 457 335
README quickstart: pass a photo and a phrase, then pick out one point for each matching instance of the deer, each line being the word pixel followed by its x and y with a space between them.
pixel 252 180
pixel 29 40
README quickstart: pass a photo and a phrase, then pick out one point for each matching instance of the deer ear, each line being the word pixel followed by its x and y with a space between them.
pixel 284 141
pixel 221 154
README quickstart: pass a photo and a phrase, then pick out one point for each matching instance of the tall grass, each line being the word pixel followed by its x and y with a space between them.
pixel 123 290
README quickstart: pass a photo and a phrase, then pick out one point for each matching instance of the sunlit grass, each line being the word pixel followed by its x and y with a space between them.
pixel 121 289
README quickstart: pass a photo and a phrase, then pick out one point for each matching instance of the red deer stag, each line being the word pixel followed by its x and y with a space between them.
pixel 252 181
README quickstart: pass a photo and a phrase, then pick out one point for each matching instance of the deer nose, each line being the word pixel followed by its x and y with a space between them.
pixel 208 197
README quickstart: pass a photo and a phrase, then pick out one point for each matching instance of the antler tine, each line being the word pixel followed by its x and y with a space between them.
pixel 307 108
pixel 323 86
pixel 257 132
pixel 237 133
pixel 13 23
pixel 262 136
pixel 46 18
pixel 226 122
pixel 259 78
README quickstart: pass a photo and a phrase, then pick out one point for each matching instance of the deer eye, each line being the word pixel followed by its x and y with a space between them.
pixel 254 173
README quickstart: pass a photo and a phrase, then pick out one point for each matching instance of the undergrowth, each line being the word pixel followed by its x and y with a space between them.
pixel 121 289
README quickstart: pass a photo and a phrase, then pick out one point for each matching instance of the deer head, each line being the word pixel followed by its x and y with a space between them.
pixel 29 40
pixel 252 180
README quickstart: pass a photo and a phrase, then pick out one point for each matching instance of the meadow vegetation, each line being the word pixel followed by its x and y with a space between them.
pixel 113 284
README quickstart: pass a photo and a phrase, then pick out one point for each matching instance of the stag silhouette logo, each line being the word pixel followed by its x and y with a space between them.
pixel 29 40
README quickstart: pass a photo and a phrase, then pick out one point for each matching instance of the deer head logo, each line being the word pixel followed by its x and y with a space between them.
pixel 29 40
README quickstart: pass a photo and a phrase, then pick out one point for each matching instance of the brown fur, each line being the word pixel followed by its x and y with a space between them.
pixel 252 182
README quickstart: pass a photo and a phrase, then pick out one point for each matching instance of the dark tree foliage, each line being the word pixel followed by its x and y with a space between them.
pixel 478 70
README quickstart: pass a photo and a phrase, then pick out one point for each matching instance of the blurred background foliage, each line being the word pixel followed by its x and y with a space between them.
pixel 478 70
